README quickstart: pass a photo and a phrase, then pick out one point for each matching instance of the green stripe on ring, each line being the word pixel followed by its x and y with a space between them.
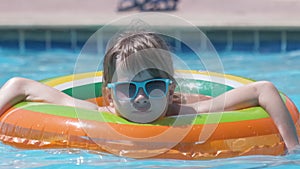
pixel 205 118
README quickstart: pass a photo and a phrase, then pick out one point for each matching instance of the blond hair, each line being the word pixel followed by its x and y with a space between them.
pixel 146 49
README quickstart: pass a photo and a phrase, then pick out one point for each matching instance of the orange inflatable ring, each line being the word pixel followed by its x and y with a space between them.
pixel 206 136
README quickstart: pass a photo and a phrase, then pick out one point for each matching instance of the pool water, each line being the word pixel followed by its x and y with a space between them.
pixel 280 68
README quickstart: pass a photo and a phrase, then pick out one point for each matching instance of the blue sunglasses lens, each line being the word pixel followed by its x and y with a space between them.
pixel 156 89
pixel 125 90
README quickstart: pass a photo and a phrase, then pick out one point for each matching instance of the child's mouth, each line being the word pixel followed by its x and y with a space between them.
pixel 142 110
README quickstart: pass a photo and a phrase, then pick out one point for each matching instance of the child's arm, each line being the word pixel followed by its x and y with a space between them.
pixel 20 89
pixel 262 94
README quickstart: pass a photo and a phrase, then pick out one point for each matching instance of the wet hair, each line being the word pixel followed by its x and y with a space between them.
pixel 146 50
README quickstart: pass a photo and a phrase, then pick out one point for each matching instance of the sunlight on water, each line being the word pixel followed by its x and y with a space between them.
pixel 281 69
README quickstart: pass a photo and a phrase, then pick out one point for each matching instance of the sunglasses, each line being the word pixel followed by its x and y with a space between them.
pixel 153 88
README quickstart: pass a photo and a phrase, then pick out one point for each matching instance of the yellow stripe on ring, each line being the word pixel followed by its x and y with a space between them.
pixel 69 78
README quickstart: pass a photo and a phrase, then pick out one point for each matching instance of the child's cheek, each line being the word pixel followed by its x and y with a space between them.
pixel 123 107
pixel 159 106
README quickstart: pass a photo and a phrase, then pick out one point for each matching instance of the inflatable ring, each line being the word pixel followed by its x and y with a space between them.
pixel 237 133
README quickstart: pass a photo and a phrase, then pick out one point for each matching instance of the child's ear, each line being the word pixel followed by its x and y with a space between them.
pixel 171 92
pixel 108 96
pixel 172 88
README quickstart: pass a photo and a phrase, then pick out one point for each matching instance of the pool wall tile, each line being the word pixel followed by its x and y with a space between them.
pixel 271 41
pixel 293 40
pixel 35 39
pixel 61 39
pixel 82 36
pixel 219 39
pixel 223 39
pixel 9 38
pixel 243 40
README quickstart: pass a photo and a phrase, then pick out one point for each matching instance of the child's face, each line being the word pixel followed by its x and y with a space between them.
pixel 147 102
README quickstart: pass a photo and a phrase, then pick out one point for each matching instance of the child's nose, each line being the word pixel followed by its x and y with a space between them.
pixel 141 98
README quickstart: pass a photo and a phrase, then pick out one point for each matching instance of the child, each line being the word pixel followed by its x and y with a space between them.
pixel 139 85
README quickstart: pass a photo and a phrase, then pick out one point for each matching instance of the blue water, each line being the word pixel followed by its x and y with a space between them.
pixel 280 68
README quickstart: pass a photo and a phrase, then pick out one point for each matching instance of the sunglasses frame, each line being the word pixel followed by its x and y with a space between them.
pixel 140 85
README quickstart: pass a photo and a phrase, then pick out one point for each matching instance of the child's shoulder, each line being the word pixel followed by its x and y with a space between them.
pixel 182 103
pixel 186 98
